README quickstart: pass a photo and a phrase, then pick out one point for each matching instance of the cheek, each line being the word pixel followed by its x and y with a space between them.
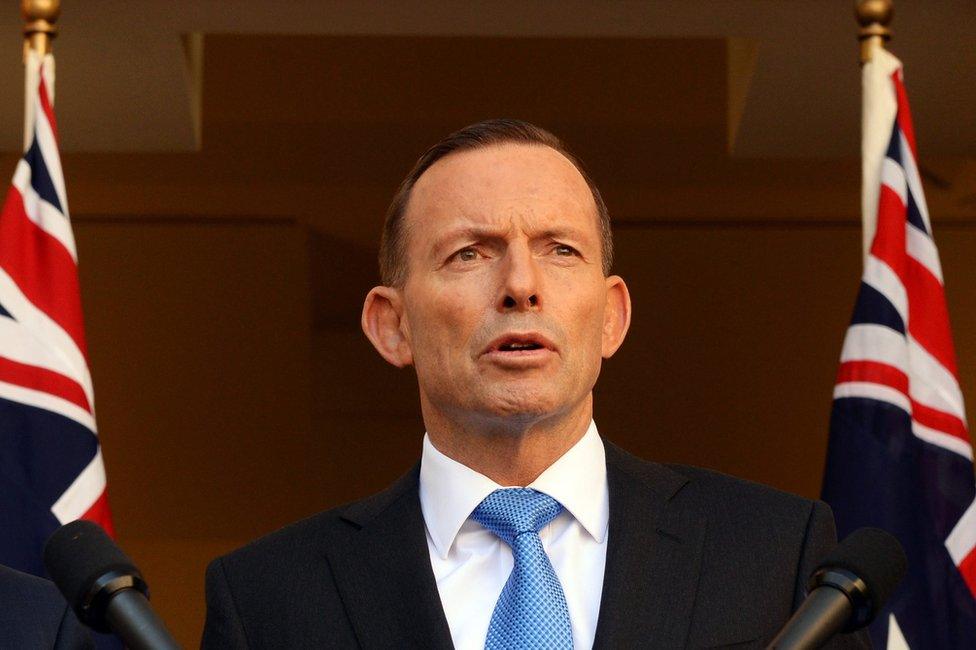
pixel 586 321
pixel 442 327
pixel 587 308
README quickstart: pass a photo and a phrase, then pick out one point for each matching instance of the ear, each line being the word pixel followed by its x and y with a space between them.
pixel 616 316
pixel 385 327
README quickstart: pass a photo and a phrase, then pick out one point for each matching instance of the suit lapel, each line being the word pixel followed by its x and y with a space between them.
pixel 653 557
pixel 383 572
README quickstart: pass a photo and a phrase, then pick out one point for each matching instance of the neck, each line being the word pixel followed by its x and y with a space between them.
pixel 509 451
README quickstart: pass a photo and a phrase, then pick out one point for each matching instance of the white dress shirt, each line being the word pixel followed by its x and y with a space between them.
pixel 471 564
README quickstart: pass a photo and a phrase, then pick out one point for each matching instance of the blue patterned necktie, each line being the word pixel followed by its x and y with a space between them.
pixel 531 611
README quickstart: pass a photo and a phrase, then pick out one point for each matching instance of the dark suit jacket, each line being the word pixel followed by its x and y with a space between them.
pixel 33 615
pixel 695 559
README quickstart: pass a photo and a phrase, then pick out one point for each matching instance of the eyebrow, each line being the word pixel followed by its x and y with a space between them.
pixel 473 232
pixel 560 233
pixel 480 233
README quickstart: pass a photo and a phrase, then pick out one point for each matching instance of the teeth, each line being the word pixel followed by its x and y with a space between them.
pixel 520 346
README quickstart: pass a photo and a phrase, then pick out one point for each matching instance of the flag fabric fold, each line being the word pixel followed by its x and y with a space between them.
pixel 900 455
pixel 51 469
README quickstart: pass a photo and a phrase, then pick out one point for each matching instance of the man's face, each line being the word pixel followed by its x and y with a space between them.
pixel 505 306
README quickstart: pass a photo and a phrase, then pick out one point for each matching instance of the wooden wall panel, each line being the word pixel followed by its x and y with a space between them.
pixel 199 342
pixel 734 345
pixel 199 339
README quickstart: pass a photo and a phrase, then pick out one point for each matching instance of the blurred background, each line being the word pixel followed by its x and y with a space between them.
pixel 228 166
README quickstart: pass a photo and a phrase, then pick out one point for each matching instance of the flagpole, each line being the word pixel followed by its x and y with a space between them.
pixel 873 16
pixel 39 28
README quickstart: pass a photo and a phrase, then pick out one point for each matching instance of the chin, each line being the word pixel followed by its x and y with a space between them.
pixel 521 402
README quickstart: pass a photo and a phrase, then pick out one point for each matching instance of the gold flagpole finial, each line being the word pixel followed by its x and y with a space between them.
pixel 873 16
pixel 39 28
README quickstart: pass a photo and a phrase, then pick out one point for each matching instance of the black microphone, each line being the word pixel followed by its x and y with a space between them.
pixel 103 586
pixel 846 590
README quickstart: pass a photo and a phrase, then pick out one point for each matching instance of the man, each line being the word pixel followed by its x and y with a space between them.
pixel 495 263
pixel 34 615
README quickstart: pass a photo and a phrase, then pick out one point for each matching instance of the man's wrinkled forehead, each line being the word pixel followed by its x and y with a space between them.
pixel 499 182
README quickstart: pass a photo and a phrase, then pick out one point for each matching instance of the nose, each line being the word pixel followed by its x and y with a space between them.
pixel 521 283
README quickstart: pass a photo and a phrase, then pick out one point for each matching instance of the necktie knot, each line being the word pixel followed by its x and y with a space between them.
pixel 512 511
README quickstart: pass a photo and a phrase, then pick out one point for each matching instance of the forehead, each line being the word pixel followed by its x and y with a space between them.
pixel 498 182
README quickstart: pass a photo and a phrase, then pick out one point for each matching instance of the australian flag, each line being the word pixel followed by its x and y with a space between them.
pixel 51 469
pixel 900 456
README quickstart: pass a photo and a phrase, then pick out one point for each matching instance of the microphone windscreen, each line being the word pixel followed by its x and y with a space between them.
pixel 874 556
pixel 77 555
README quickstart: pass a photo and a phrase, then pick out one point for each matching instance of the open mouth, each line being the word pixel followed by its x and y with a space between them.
pixel 519 345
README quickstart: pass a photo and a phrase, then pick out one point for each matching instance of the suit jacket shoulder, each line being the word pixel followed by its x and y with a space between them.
pixel 33 614
pixel 300 541
pixel 355 576
pixel 735 554
pixel 755 514
pixel 705 484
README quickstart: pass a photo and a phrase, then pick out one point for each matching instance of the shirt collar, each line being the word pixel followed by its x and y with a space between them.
pixel 578 480
pixel 450 491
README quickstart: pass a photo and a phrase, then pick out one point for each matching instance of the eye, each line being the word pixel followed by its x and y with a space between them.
pixel 466 255
pixel 564 250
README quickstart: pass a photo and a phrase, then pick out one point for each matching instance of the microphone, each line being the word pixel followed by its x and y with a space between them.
pixel 103 586
pixel 846 590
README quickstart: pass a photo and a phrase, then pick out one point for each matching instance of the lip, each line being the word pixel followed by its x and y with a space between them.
pixel 519 358
pixel 520 337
